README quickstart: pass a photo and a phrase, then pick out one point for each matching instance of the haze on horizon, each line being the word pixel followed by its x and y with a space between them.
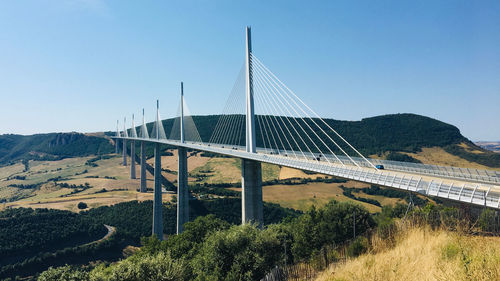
pixel 78 65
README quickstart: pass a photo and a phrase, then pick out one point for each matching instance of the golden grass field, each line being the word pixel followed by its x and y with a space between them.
pixel 121 189
pixel 209 170
pixel 438 156
pixel 48 195
pixel 304 196
pixel 423 254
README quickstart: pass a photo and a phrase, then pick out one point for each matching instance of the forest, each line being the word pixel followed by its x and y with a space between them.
pixel 213 249
pixel 210 248
pixel 32 240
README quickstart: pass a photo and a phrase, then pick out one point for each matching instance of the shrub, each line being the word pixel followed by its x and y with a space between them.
pixel 159 267
pixel 82 205
pixel 357 247
pixel 488 220
pixel 242 252
pixel 450 251
pixel 63 273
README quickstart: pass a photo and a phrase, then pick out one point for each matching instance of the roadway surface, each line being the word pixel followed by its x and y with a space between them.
pixel 481 190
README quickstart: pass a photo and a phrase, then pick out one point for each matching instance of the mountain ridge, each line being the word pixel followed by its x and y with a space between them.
pixel 377 135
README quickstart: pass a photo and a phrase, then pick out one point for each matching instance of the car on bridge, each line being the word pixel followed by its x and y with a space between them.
pixel 380 167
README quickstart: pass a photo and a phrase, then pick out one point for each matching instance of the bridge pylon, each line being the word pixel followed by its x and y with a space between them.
pixel 118 135
pixel 132 151
pixel 143 187
pixel 157 201
pixel 182 176
pixel 124 142
pixel 251 171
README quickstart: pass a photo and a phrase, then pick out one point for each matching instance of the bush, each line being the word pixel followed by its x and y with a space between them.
pixel 63 273
pixel 357 247
pixel 331 225
pixel 489 221
pixel 159 267
pixel 450 251
pixel 82 205
pixel 242 252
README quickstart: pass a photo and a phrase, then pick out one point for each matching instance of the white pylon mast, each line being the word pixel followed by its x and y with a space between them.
pixel 125 133
pixel 157 119
pixel 182 113
pixel 250 118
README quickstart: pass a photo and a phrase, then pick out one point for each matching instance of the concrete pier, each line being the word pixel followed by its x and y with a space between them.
pixel 124 152
pixel 157 202
pixel 116 146
pixel 143 187
pixel 182 176
pixel 132 160
pixel 251 171
pixel 251 183
pixel 182 191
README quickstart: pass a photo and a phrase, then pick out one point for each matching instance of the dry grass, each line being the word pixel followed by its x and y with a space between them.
pixel 172 162
pixel 470 149
pixel 424 254
pixel 438 156
pixel 303 196
pixel 287 173
pixel 7 171
pixel 119 190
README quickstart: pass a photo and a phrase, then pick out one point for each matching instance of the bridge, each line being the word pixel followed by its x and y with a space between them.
pixel 277 127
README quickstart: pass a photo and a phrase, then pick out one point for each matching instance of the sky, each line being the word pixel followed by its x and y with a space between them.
pixel 79 65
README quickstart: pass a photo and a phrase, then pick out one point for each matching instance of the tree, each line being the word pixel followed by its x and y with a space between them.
pixel 63 273
pixel 159 267
pixel 82 205
pixel 242 252
pixel 330 225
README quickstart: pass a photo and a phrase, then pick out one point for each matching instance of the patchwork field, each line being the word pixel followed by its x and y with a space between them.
pixel 108 181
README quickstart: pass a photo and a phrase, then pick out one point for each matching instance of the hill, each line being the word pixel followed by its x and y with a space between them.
pixel 401 134
pixel 489 145
pixel 53 146
pixel 424 254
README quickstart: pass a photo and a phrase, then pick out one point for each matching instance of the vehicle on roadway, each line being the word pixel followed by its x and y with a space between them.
pixel 380 167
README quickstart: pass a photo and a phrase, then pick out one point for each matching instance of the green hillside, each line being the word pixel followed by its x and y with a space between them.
pixel 53 146
pixel 375 135
pixel 393 132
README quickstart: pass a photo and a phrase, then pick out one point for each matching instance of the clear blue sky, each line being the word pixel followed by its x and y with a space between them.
pixel 78 65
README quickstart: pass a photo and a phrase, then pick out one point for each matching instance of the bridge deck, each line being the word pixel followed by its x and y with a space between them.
pixel 483 189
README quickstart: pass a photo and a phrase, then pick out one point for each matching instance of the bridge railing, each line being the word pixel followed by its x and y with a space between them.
pixel 460 189
pixel 418 168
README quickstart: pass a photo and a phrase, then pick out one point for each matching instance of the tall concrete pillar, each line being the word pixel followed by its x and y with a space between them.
pixel 251 181
pixel 182 191
pixel 182 176
pixel 124 141
pixel 118 135
pixel 144 187
pixel 251 171
pixel 157 202
pixel 132 160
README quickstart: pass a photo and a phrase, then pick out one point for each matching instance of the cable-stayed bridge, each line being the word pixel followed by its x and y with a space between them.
pixel 264 121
